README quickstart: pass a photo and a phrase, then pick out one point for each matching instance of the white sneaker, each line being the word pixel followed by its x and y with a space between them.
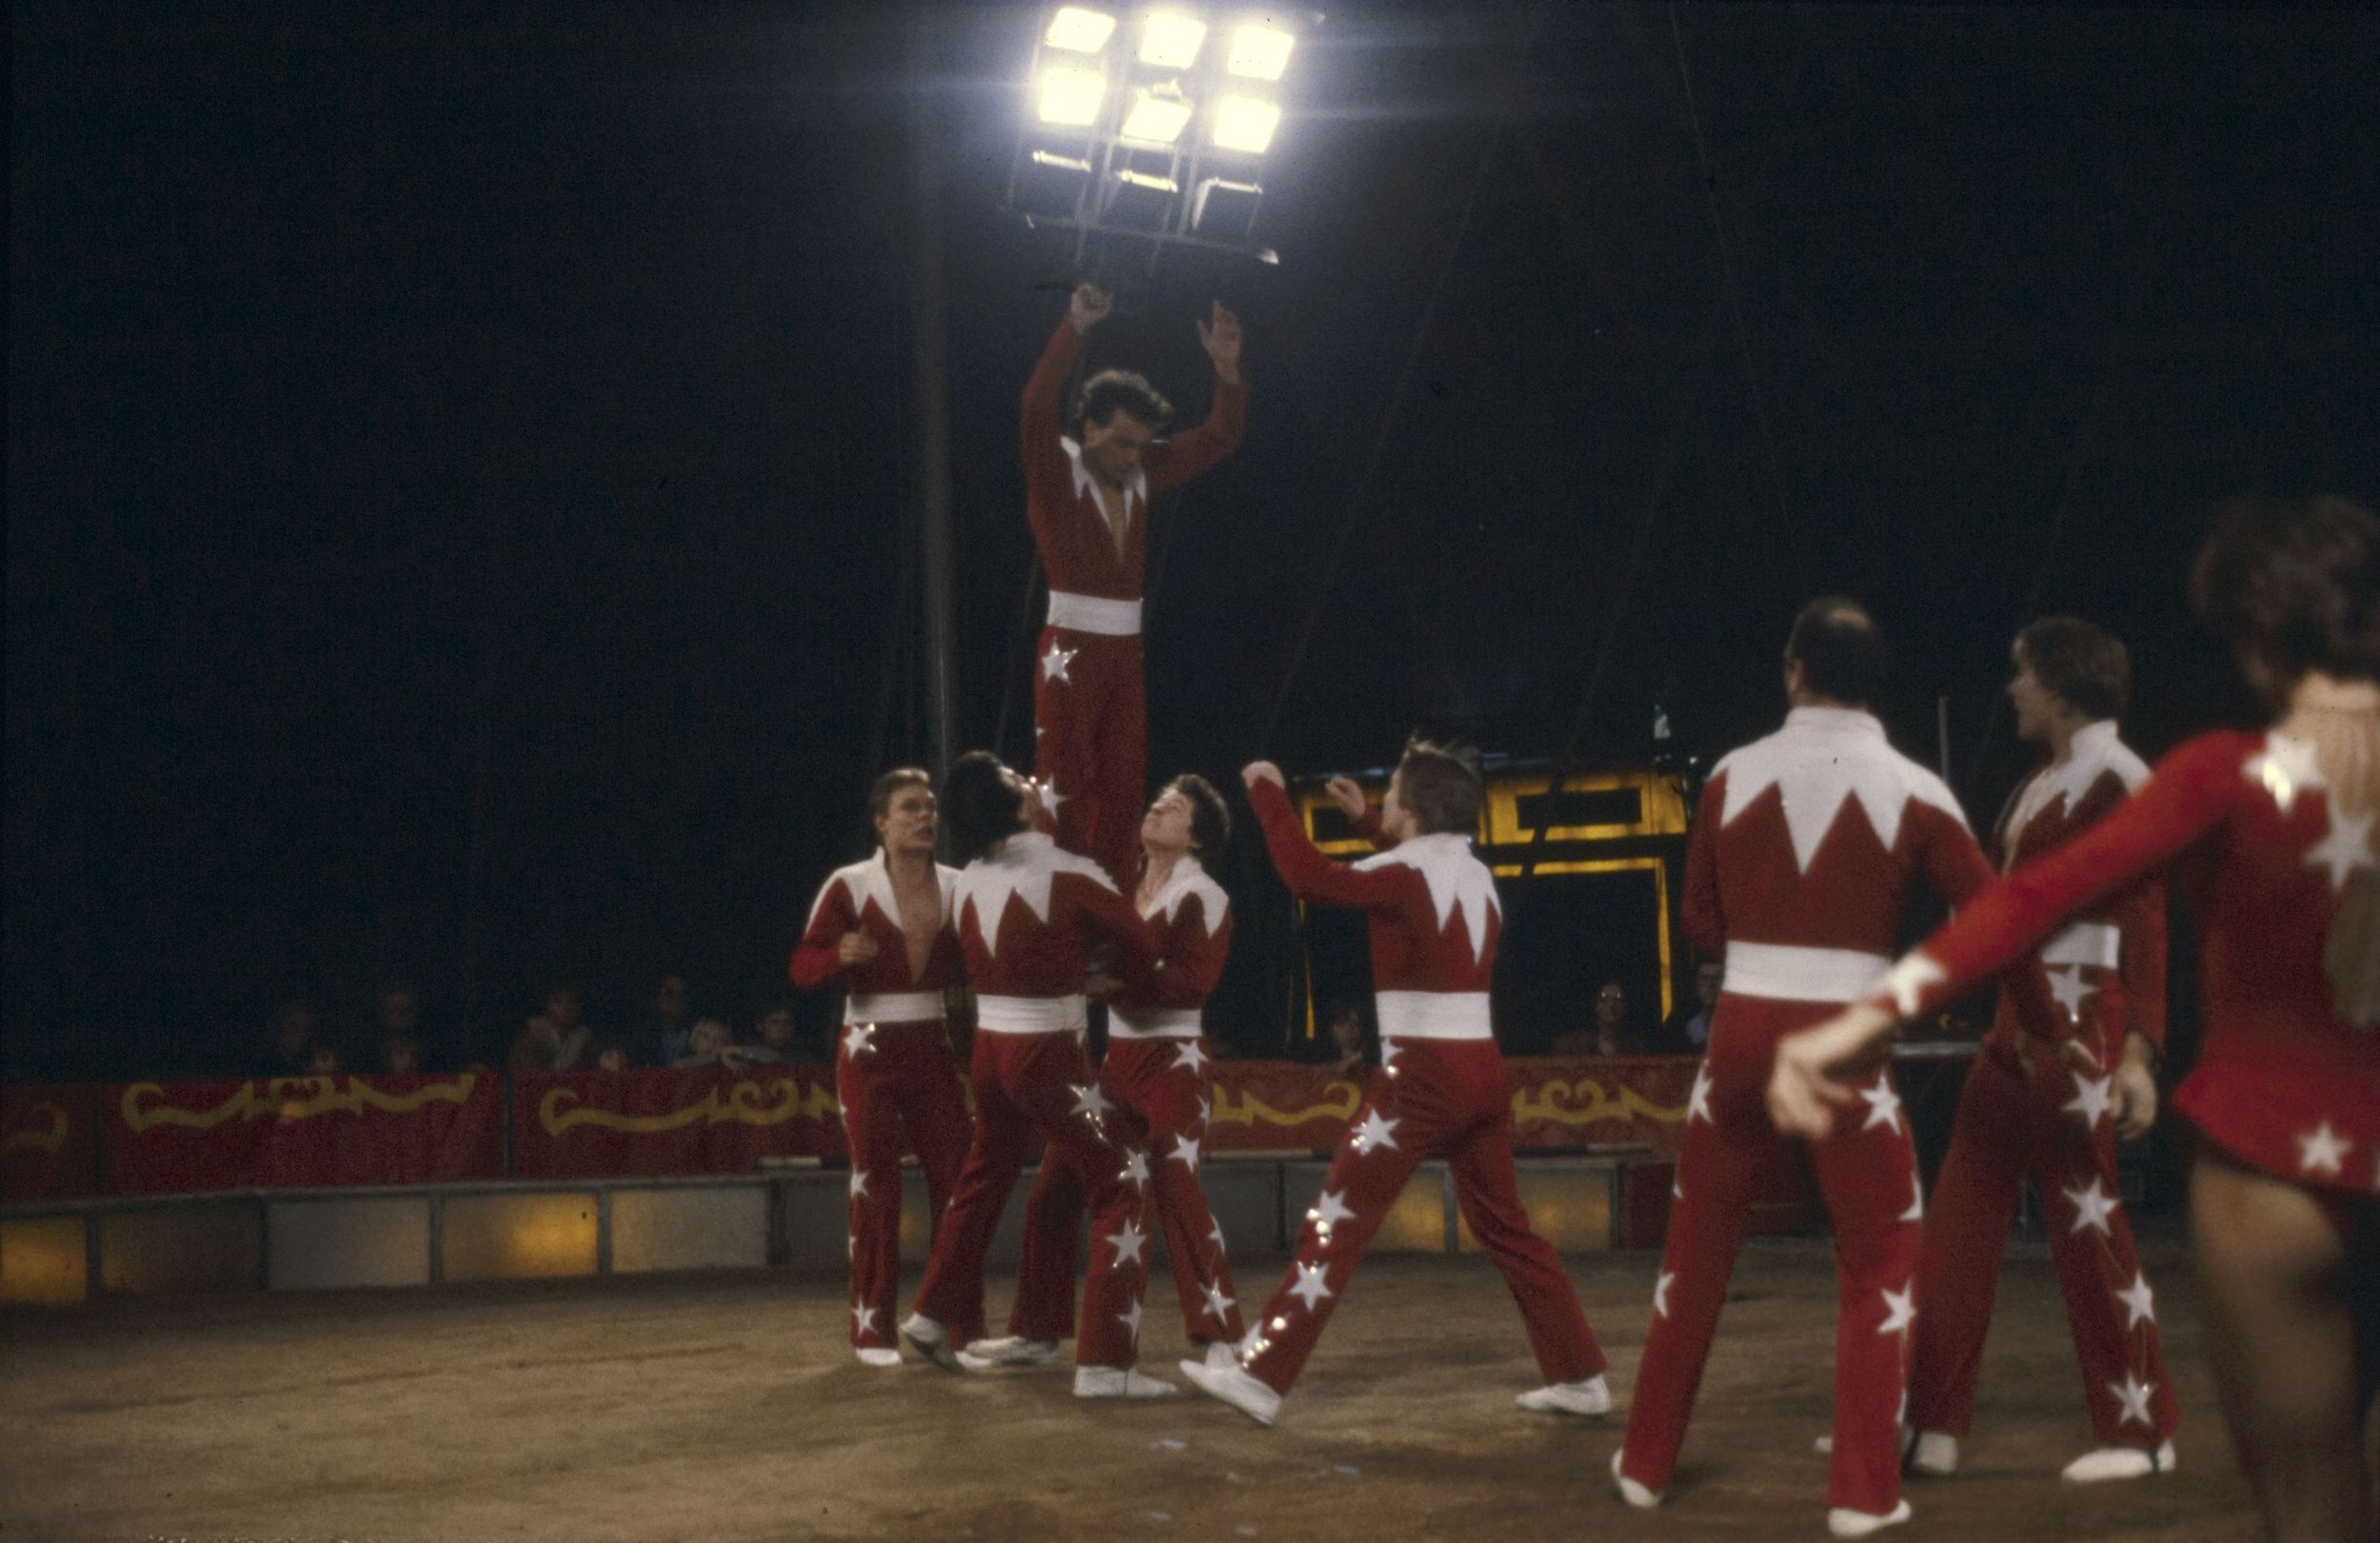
pixel 878 1355
pixel 2103 1463
pixel 931 1340
pixel 1234 1386
pixel 1591 1397
pixel 1118 1382
pixel 1935 1455
pixel 1010 1349
pixel 1630 1491
pixel 1220 1354
pixel 1844 1522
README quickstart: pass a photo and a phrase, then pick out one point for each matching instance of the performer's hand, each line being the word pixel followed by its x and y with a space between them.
pixel 1220 335
pixel 2079 1056
pixel 1349 798
pixel 1262 771
pixel 1089 306
pixel 2136 1089
pixel 855 948
pixel 1803 1090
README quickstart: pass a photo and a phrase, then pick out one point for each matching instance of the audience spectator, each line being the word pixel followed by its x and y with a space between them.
pixel 1346 1026
pixel 294 1032
pixel 557 1039
pixel 322 1061
pixel 1610 1035
pixel 666 1037
pixel 400 1053
pixel 612 1055
pixel 777 1036
pixel 711 1043
pixel 1688 1031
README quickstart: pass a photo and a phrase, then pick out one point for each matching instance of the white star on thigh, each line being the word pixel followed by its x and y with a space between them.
pixel 1185 1151
pixel 1135 1168
pixel 1699 1101
pixel 859 1040
pixel 1373 1133
pixel 1216 1303
pixel 1660 1293
pixel 1330 1210
pixel 1089 1099
pixel 2133 1394
pixel 2093 1098
pixel 1127 1244
pixel 2092 1206
pixel 1215 1234
pixel 1901 1309
pixel 862 1318
pixel 1190 1054
pixel 2322 1151
pixel 1055 662
pixel 1130 1319
pixel 859 1183
pixel 2068 986
pixel 1309 1288
pixel 2139 1302
pixel 1884 1105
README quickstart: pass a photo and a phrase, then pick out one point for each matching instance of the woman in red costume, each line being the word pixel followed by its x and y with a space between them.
pixel 2270 837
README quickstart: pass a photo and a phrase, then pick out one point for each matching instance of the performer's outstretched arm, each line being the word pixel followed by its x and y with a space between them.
pixel 1363 817
pixel 1310 875
pixel 1042 423
pixel 1201 449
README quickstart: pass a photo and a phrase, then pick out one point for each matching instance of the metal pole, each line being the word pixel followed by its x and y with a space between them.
pixel 930 385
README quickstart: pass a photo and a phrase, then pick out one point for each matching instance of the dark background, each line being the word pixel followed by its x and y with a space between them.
pixel 457 454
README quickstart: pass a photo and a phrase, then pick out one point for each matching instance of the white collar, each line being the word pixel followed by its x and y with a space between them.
pixel 1136 483
pixel 1836 721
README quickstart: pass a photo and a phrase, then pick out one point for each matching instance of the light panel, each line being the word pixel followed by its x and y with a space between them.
pixel 1245 124
pixel 1171 42
pixel 1080 31
pixel 1259 52
pixel 1157 117
pixel 1071 94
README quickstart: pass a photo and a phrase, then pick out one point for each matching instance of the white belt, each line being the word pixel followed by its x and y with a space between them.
pixel 1028 1014
pixel 1154 1023
pixel 1090 613
pixel 2086 942
pixel 1783 972
pixel 892 1007
pixel 1433 1015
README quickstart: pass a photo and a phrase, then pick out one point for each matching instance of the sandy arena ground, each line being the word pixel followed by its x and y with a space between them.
pixel 728 1407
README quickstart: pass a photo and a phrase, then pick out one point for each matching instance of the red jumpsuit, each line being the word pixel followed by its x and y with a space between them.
pixel 1090 724
pixel 893 1072
pixel 2106 974
pixel 1434 922
pixel 1798 869
pixel 1024 914
pixel 2284 1083
pixel 1155 1068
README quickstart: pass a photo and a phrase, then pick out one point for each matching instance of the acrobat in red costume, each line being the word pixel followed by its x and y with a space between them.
pixel 1804 850
pixel 1434 921
pixel 1155 1068
pixel 2027 1110
pixel 1088 499
pixel 894 1072
pixel 1025 913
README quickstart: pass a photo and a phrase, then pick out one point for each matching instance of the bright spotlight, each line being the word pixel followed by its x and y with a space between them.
pixel 1158 117
pixel 1171 42
pixel 1259 52
pixel 1077 31
pixel 1245 124
pixel 1071 94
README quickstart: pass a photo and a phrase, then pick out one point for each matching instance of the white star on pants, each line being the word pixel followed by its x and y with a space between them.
pixel 1373 1133
pixel 2068 986
pixel 2133 1394
pixel 1309 1288
pixel 1130 1319
pixel 2138 1302
pixel 1128 1244
pixel 1135 1168
pixel 859 1183
pixel 2322 1151
pixel 1331 1209
pixel 1053 662
pixel 1089 1099
pixel 1884 1105
pixel 2093 1207
pixel 859 1040
pixel 862 1318
pixel 1190 1054
pixel 1660 1293
pixel 1185 1151
pixel 1217 1302
pixel 1901 1309
pixel 2093 1098
pixel 1699 1101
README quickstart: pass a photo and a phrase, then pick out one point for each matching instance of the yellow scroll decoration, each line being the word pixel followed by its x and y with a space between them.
pixel 290 1099
pixel 743 1102
pixel 1247 1109
pixel 1559 1102
pixel 26 1139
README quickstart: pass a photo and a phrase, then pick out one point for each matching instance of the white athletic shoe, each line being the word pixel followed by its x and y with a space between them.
pixel 878 1355
pixel 2104 1463
pixel 1010 1349
pixel 1234 1386
pixel 1118 1382
pixel 1844 1522
pixel 1220 1354
pixel 1591 1396
pixel 1630 1491
pixel 931 1340
pixel 1935 1455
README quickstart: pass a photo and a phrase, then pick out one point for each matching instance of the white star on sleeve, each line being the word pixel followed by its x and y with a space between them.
pixel 1185 1151
pixel 1374 1133
pixel 1128 1244
pixel 1190 1053
pixel 1884 1105
pixel 2139 1302
pixel 1309 1288
pixel 1054 664
pixel 2092 1206
pixel 2093 1098
pixel 2322 1151
pixel 2133 1394
pixel 1660 1293
pixel 1089 1099
pixel 1901 1309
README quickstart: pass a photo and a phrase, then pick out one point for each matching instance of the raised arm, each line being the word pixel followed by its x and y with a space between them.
pixel 1363 817
pixel 1309 874
pixel 1045 388
pixel 1201 449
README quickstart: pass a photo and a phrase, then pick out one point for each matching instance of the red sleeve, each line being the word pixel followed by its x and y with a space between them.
pixel 1193 956
pixel 1705 918
pixel 1310 875
pixel 2141 920
pixel 1958 871
pixel 1045 463
pixel 1367 825
pixel 815 961
pixel 2190 791
pixel 1201 450
pixel 1111 916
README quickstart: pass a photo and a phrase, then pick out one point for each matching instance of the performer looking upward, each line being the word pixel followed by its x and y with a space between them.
pixel 1088 482
pixel 2271 838
pixel 882 928
pixel 1155 1069
pixel 1798 868
pixel 1432 912
pixel 1025 913
pixel 2049 1098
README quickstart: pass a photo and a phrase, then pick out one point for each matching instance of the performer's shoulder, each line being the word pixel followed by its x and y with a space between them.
pixel 1213 902
pixel 1077 865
